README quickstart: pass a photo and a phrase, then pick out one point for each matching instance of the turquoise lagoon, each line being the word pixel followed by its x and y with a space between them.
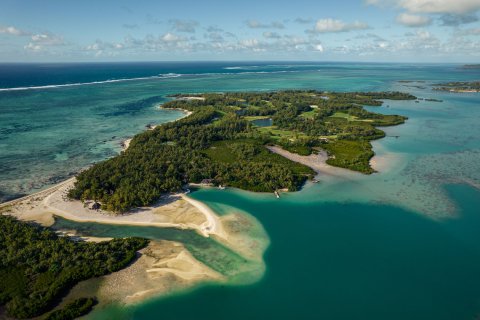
pixel 402 243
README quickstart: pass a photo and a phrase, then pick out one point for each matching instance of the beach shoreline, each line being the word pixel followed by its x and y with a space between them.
pixel 126 143
pixel 173 211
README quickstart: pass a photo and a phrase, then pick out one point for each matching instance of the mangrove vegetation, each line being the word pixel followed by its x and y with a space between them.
pixel 38 267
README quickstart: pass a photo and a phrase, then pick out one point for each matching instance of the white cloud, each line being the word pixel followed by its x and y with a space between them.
pixel 47 39
pixel 255 24
pixel 459 7
pixel 33 47
pixel 440 6
pixel 319 48
pixel 419 45
pixel 332 25
pixel 170 37
pixel 249 43
pixel 413 20
pixel 12 31
pixel 41 41
pixel 101 46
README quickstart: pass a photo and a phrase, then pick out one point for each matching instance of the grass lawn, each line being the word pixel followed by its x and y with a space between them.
pixel 228 152
pixel 279 134
pixel 348 117
pixel 308 114
pixel 350 154
pixel 250 118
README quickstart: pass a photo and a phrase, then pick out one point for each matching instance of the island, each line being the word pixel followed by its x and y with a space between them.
pixel 471 66
pixel 224 142
pixel 460 87
pixel 256 141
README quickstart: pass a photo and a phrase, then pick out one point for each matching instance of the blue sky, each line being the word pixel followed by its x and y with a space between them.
pixel 342 30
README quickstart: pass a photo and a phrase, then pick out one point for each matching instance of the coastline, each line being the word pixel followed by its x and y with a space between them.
pixel 173 211
pixel 316 161
pixel 126 143
pixel 162 268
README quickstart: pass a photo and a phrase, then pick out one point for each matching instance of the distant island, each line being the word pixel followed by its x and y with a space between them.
pixel 471 66
pixel 223 142
pixel 466 87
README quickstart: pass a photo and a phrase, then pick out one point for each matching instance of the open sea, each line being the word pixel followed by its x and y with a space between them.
pixel 403 243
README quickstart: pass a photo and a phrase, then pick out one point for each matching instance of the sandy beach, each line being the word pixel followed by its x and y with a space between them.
pixel 162 268
pixel 172 211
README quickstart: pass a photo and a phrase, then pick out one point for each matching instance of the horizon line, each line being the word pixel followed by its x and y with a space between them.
pixel 236 61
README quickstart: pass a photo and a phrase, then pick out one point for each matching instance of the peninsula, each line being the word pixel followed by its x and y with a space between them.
pixel 223 142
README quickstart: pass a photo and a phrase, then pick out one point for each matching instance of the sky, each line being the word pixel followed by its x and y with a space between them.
pixel 301 30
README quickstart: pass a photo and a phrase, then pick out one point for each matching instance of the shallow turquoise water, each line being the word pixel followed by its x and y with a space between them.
pixel 344 261
pixel 329 260
pixel 397 244
pixel 49 133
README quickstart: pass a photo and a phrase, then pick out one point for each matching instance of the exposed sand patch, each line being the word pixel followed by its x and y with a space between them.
pixel 175 211
pixel 315 161
pixel 163 267
pixel 191 98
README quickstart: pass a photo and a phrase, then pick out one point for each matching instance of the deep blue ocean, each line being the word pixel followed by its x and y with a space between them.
pixel 399 244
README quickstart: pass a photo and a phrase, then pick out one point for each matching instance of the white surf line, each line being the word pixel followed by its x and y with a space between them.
pixel 53 86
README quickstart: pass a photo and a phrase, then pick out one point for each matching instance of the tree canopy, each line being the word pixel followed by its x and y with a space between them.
pixel 197 147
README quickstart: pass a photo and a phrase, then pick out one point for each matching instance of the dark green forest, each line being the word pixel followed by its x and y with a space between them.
pixel 38 267
pixel 219 142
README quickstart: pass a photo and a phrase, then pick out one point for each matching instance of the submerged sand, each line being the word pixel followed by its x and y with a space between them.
pixel 164 266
